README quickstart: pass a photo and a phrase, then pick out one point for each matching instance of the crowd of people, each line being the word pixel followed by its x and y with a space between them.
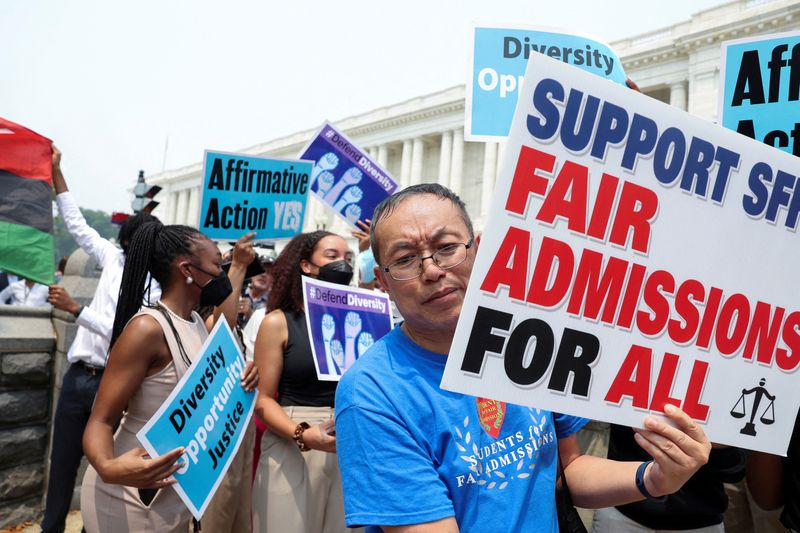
pixel 383 449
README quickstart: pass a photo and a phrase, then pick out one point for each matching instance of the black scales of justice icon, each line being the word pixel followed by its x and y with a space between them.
pixel 740 409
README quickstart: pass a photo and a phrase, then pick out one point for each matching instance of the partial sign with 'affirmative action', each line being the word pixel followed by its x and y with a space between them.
pixel 499 58
pixel 344 178
pixel 207 413
pixel 245 193
pixel 343 323
pixel 635 256
pixel 760 90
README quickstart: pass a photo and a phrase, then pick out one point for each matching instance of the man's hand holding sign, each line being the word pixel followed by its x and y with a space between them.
pixel 679 448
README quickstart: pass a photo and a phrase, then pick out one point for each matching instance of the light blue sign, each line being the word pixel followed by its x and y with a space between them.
pixel 207 414
pixel 244 193
pixel 500 57
pixel 761 90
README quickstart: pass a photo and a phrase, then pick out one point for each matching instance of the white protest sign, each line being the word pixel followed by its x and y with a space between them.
pixel 635 256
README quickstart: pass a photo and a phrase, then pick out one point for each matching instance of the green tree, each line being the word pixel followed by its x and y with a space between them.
pixel 65 244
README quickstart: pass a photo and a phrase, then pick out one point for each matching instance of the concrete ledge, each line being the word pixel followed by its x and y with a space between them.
pixel 26 329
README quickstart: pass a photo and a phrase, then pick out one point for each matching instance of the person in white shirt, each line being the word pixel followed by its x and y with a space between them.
pixel 87 355
pixel 24 292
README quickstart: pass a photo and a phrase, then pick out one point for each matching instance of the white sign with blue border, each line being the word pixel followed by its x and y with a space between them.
pixel 207 414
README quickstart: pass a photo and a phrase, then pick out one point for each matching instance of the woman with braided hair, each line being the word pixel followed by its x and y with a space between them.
pixel 297 486
pixel 151 349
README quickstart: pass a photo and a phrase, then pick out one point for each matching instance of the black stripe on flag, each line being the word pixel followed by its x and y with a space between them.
pixel 25 201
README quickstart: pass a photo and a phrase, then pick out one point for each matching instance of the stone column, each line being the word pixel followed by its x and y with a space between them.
pixel 678 94
pixel 489 172
pixel 173 207
pixel 308 222
pixel 501 154
pixel 181 207
pixel 417 155
pixel 445 153
pixel 383 155
pixel 405 164
pixel 457 161
pixel 193 214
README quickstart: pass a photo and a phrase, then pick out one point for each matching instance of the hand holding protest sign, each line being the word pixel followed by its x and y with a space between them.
pixel 634 257
pixel 205 416
pixel 343 322
pixel 135 468
pixel 344 178
pixel 243 193
pixel 677 452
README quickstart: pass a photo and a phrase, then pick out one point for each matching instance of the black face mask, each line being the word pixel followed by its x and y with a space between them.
pixel 339 272
pixel 215 291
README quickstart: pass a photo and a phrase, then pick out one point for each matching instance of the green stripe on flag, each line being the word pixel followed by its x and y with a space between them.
pixel 27 252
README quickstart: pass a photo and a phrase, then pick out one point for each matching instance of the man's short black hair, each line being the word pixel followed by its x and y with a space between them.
pixel 388 205
pixel 130 226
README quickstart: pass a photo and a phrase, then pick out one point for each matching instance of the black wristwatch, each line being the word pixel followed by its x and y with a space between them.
pixel 78 312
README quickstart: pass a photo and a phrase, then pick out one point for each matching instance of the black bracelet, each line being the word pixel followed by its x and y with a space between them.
pixel 642 488
pixel 77 313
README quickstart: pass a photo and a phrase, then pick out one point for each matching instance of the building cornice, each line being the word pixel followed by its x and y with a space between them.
pixel 707 28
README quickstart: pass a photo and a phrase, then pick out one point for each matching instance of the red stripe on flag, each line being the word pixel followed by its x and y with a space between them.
pixel 24 152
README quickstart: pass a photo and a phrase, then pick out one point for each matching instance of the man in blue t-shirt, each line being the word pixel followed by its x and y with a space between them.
pixel 418 459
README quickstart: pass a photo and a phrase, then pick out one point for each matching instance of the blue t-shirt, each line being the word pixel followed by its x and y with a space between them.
pixel 410 452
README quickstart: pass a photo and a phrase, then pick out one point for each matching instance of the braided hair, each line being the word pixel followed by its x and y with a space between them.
pixel 287 285
pixel 152 249
pixel 131 226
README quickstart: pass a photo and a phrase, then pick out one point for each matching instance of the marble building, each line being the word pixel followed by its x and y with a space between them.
pixel 422 139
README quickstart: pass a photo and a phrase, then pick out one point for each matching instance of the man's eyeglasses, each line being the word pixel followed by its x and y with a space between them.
pixel 446 257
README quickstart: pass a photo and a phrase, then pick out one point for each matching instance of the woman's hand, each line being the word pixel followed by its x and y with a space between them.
pixel 321 437
pixel 363 234
pixel 250 376
pixel 136 469
pixel 243 251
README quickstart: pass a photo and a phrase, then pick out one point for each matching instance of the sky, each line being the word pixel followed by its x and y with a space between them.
pixel 151 84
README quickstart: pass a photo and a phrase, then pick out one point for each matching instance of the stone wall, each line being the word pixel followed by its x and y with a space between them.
pixel 33 346
pixel 27 340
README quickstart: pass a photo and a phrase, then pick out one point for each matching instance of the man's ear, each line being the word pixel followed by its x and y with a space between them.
pixel 477 242
pixel 382 276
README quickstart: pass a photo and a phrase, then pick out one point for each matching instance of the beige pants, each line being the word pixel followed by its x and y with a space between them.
pixel 294 491
pixel 745 516
pixel 229 510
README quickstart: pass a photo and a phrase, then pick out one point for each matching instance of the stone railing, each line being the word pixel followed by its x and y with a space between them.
pixel 33 346
pixel 27 340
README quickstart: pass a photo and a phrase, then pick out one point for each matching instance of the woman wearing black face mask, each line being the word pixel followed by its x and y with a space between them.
pixel 150 350
pixel 297 486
